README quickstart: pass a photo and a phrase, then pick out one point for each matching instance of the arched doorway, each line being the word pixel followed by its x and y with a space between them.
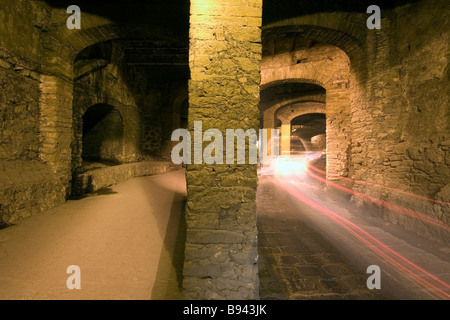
pixel 306 118
pixel 310 129
pixel 103 135
pixel 323 71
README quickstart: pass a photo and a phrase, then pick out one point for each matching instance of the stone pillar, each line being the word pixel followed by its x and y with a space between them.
pixel 338 132
pixel 221 238
pixel 56 126
pixel 285 147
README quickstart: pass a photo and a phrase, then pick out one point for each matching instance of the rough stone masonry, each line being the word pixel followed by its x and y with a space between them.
pixel 221 238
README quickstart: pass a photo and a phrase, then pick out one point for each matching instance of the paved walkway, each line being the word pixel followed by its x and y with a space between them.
pixel 117 237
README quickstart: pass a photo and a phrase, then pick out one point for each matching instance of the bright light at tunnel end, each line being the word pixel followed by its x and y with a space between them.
pixel 263 150
pixel 292 164
pixel 260 150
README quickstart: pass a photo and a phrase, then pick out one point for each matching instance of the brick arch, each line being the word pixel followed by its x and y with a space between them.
pixel 269 84
pixel 89 101
pixel 268 114
pixel 85 37
pixel 288 112
pixel 69 42
pixel 131 131
pixel 105 142
pixel 333 74
pixel 343 30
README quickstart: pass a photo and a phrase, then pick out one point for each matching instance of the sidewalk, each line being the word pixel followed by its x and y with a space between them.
pixel 128 241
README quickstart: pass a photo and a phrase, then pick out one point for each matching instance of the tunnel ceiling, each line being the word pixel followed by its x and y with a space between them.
pixel 156 54
pixel 282 32
pixel 275 93
pixel 159 59
pixel 172 14
pixel 310 119
pixel 152 36
pixel 101 50
pixel 276 10
pixel 156 57
pixel 274 43
pixel 309 125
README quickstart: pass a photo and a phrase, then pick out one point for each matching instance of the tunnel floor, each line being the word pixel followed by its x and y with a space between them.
pixel 306 251
pixel 297 262
pixel 128 241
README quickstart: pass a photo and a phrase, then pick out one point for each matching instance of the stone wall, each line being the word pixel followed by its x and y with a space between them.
pixel 221 240
pixel 27 184
pixel 319 142
pixel 30 181
pixel 101 177
pixel 55 130
pixel 396 126
pixel 27 188
pixel 19 109
pixel 109 87
pixel 161 114
pixel 400 116
pixel 152 132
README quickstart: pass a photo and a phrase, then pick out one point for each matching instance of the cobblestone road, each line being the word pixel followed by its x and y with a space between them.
pixel 294 261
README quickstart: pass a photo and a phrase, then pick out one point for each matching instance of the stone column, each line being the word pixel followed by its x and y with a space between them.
pixel 56 126
pixel 338 132
pixel 285 138
pixel 221 239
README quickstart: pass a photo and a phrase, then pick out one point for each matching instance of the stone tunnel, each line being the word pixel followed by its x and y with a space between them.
pixel 84 108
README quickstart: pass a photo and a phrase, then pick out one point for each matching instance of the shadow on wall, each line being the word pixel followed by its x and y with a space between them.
pixel 103 134
pixel 78 190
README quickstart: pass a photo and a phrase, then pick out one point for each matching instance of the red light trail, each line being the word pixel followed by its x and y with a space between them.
pixel 436 288
pixel 380 186
pixel 391 206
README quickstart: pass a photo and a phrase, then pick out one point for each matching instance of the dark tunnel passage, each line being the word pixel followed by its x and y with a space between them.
pixel 311 130
pixel 102 134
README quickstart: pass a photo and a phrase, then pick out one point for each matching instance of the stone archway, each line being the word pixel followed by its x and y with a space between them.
pixel 291 111
pixel 268 115
pixel 310 129
pixel 103 134
pixel 329 67
pixel 130 119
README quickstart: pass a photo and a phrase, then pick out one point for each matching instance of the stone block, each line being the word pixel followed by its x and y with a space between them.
pixel 214 236
pixel 202 269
